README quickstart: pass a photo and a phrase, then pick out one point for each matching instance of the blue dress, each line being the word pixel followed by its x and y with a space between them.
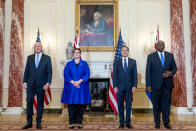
pixel 72 94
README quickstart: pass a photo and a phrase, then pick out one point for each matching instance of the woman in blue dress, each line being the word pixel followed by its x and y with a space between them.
pixel 76 93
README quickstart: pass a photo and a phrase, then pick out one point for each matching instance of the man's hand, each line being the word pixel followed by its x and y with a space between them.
pixel 25 86
pixel 167 74
pixel 115 89
pixel 46 86
pixel 149 89
pixel 133 89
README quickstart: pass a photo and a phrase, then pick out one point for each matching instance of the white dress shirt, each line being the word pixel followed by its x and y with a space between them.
pixel 160 55
pixel 40 55
pixel 123 61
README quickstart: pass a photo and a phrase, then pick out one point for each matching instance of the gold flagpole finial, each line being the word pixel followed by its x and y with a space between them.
pixel 158 26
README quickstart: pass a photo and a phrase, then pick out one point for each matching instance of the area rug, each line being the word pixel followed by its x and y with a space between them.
pixel 95 126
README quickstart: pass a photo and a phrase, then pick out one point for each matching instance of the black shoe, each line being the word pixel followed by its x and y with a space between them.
pixel 121 126
pixel 39 126
pixel 157 126
pixel 71 127
pixel 80 127
pixel 27 126
pixel 129 126
pixel 167 126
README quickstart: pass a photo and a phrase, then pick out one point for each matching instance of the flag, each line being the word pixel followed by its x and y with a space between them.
pixel 149 95
pixel 155 47
pixel 47 95
pixel 112 95
pixel 38 36
pixel 157 38
pixel 77 40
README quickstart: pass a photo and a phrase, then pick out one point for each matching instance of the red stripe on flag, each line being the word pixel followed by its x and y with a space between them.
pixel 47 99
pixel 112 96
pixel 112 106
pixel 49 93
pixel 35 106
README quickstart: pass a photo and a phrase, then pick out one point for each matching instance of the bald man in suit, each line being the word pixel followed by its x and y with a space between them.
pixel 160 69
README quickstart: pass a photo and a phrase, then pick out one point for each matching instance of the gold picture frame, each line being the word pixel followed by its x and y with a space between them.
pixel 97 24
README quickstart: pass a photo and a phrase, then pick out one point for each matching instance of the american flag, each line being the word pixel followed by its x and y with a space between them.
pixel 47 95
pixel 77 40
pixel 157 38
pixel 112 95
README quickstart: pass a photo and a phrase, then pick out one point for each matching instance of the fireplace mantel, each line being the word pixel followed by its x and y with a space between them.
pixel 98 69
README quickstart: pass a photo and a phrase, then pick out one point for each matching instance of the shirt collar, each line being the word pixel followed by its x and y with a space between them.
pixel 125 58
pixel 40 54
pixel 160 53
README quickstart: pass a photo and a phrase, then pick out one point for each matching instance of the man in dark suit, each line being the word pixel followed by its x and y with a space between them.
pixel 37 79
pixel 160 69
pixel 125 83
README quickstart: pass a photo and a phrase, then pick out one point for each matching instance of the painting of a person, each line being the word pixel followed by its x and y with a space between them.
pixel 96 25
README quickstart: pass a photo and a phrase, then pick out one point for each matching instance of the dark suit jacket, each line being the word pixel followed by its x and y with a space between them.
pixel 122 79
pixel 154 70
pixel 41 75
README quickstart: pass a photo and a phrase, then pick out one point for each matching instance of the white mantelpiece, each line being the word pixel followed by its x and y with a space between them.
pixel 98 69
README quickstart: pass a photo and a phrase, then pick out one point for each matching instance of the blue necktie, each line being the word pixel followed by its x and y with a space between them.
pixel 162 60
pixel 37 61
pixel 125 65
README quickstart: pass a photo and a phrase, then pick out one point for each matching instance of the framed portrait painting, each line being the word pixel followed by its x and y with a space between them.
pixel 97 24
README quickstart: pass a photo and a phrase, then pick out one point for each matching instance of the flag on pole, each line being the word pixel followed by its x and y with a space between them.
pixel 155 47
pixel 77 40
pixel 112 95
pixel 47 95
pixel 157 38
pixel 149 95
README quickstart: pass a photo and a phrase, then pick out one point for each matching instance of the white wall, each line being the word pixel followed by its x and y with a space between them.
pixel 43 14
pixel 139 20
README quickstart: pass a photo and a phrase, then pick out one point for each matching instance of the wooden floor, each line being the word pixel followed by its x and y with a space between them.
pixel 98 117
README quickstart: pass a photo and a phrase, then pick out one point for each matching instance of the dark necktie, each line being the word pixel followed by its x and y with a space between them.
pixel 162 60
pixel 125 65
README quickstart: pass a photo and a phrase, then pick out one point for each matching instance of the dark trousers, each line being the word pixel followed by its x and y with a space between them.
pixel 76 112
pixel 120 99
pixel 161 100
pixel 31 92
